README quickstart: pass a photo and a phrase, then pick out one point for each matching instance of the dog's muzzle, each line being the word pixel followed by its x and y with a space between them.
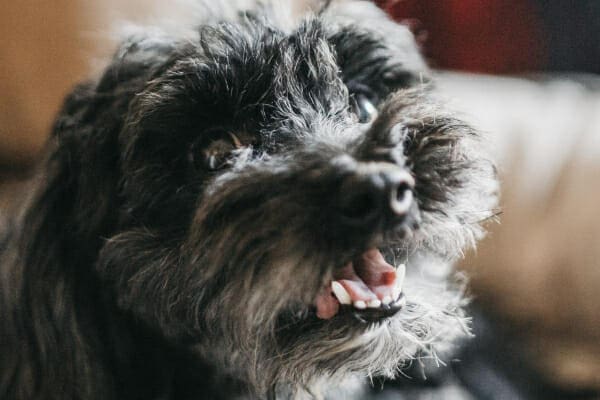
pixel 377 197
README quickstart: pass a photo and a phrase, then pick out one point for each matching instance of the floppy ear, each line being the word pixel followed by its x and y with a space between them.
pixel 77 200
pixel 50 300
pixel 46 319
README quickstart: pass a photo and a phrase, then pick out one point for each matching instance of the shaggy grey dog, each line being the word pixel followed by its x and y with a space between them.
pixel 231 211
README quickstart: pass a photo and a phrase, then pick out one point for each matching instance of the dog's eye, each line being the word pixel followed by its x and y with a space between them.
pixel 214 155
pixel 364 108
pixel 218 151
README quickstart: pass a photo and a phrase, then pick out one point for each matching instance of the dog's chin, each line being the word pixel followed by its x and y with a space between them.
pixel 308 344
pixel 425 320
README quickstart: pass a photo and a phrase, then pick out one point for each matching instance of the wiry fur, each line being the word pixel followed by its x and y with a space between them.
pixel 135 273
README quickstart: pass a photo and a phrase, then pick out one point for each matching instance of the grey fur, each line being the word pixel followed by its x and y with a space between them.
pixel 224 266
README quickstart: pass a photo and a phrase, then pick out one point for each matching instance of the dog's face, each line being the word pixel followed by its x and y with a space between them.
pixel 273 183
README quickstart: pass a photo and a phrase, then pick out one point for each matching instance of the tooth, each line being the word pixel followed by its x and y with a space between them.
pixel 361 305
pixel 340 293
pixel 396 291
pixel 386 300
pixel 374 303
pixel 400 274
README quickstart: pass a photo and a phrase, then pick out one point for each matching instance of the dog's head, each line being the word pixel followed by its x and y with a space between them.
pixel 267 183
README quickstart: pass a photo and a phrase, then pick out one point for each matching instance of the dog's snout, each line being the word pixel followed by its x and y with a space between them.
pixel 361 199
pixel 368 198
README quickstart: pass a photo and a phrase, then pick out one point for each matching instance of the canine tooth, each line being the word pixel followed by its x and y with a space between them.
pixel 340 293
pixel 396 291
pixel 374 303
pixel 400 274
pixel 386 300
pixel 361 305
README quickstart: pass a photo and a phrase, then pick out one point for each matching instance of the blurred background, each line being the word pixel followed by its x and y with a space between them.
pixel 523 71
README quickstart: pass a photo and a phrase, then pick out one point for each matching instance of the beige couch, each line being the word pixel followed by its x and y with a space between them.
pixel 540 267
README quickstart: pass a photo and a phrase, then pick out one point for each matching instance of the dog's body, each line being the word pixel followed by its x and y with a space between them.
pixel 198 201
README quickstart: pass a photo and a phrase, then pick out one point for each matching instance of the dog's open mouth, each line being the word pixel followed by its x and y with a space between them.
pixel 367 286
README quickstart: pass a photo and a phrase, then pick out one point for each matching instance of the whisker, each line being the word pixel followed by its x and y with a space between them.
pixel 494 216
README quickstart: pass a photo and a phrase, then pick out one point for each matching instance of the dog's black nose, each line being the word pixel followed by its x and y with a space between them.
pixel 368 198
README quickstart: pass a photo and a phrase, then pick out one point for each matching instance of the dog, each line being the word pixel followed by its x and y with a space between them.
pixel 258 206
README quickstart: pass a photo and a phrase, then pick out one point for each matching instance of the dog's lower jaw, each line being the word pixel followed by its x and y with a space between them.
pixel 317 355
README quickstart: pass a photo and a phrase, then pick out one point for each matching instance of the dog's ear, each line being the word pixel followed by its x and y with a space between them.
pixel 49 261
pixel 75 205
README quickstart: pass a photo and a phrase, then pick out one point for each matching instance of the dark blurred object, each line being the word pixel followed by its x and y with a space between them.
pixel 496 365
pixel 491 366
pixel 496 36
pixel 573 34
pixel 506 36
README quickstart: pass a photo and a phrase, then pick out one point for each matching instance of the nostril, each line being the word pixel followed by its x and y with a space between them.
pixel 401 191
pixel 359 207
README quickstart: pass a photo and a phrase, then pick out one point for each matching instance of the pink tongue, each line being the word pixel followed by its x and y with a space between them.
pixel 368 277
pixel 374 270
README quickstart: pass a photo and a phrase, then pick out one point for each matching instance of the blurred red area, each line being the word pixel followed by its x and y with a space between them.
pixel 492 36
